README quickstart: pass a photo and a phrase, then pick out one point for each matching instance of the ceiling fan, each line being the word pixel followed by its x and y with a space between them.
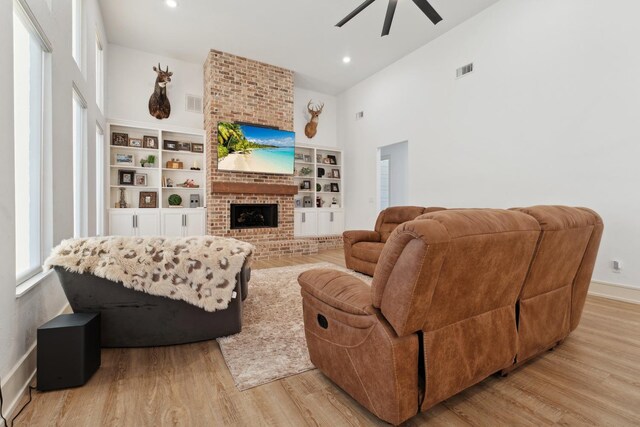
pixel 424 5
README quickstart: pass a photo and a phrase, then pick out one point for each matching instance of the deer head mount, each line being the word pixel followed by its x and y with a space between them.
pixel 312 127
pixel 159 105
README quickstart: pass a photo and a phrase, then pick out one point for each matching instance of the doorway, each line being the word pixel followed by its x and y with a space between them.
pixel 393 175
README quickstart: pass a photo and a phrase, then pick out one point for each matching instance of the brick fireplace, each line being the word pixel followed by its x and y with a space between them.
pixel 242 90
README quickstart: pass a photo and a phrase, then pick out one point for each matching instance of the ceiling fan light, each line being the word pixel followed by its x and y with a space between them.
pixel 171 3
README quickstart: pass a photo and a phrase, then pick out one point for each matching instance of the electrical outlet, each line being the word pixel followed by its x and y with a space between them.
pixel 616 265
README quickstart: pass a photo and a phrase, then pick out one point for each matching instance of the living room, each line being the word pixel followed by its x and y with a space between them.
pixel 256 216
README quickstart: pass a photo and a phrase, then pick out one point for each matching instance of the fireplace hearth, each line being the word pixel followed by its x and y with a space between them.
pixel 254 216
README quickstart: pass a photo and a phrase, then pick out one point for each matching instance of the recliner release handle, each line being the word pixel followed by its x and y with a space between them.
pixel 322 321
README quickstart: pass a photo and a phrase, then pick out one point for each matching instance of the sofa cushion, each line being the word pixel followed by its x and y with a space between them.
pixel 367 251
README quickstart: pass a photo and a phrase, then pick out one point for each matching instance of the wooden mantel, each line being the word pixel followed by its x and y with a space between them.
pixel 253 188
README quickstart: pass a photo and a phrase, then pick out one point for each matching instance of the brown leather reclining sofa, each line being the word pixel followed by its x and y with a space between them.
pixel 362 248
pixel 457 296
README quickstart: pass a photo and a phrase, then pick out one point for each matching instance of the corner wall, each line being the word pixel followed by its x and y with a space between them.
pixel 548 116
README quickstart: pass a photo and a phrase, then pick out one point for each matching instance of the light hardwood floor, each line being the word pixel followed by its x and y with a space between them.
pixel 593 378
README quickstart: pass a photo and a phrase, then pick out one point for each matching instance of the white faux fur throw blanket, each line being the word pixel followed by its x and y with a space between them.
pixel 198 270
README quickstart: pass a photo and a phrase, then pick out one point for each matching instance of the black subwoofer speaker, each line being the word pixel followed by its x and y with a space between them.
pixel 68 351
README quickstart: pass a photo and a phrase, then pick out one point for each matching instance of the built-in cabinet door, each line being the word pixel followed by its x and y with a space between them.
pixel 172 224
pixel 122 223
pixel 308 224
pixel 330 223
pixel 147 223
pixel 194 223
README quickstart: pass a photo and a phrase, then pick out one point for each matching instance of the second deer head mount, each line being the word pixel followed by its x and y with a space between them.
pixel 312 127
pixel 159 105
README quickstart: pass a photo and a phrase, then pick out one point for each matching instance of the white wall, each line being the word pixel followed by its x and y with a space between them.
pixel 549 116
pixel 132 80
pixel 327 135
pixel 20 317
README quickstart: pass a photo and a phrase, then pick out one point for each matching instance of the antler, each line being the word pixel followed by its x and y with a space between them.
pixel 315 109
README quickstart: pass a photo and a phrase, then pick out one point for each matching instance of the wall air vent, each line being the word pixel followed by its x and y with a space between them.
pixel 193 104
pixel 464 70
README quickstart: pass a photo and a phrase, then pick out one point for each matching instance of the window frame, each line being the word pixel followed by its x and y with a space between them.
pixel 80 165
pixel 99 77
pixel 23 13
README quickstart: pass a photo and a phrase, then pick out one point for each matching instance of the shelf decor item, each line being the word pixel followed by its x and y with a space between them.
pixel 197 148
pixel 149 161
pixel 140 179
pixel 306 201
pixel 320 172
pixel 126 177
pixel 122 204
pixel 120 139
pixel 332 159
pixel 335 173
pixel 124 159
pixel 194 201
pixel 305 185
pixel 148 199
pixel 189 183
pixel 174 164
pixel 175 201
pixel 159 105
pixel 327 188
pixel 150 142
pixel 318 187
pixel 135 142
pixel 334 187
pixel 170 145
pixel 305 171
pixel 307 158
pixel 184 146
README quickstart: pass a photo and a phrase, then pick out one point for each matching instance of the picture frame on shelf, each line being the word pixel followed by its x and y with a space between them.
pixel 120 139
pixel 197 148
pixel 307 158
pixel 150 142
pixel 298 203
pixel 126 177
pixel 170 145
pixel 305 185
pixel 135 142
pixel 332 159
pixel 123 159
pixel 298 156
pixel 334 187
pixel 184 146
pixel 335 173
pixel 148 200
pixel 140 179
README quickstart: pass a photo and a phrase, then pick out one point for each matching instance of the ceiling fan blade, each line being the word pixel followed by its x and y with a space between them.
pixel 391 10
pixel 428 10
pixel 357 10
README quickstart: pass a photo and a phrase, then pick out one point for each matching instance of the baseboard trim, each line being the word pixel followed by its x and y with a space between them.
pixel 17 381
pixel 615 291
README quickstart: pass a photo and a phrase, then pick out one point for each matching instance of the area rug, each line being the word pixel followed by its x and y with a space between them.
pixel 271 345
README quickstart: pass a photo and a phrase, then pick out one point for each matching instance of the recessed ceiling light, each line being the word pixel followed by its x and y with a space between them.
pixel 171 3
pixel 346 59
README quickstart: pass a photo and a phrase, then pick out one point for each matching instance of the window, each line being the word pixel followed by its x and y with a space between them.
pixel 29 56
pixel 99 74
pixel 99 181
pixel 76 31
pixel 80 186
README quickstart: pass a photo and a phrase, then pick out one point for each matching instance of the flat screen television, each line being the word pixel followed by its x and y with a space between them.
pixel 246 148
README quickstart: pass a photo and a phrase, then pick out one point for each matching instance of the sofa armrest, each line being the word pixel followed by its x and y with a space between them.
pixel 354 236
pixel 339 290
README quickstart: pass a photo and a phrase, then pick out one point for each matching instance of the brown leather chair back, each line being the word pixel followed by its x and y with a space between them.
pixel 392 217
pixel 455 275
pixel 545 302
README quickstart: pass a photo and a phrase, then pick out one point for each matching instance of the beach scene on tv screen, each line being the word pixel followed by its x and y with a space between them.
pixel 245 148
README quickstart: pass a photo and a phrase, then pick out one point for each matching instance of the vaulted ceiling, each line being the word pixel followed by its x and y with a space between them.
pixel 296 34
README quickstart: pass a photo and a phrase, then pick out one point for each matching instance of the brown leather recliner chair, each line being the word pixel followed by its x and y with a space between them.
pixel 362 248
pixel 438 318
pixel 441 313
pixel 553 295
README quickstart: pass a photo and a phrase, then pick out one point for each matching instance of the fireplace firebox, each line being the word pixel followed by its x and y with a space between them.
pixel 254 216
